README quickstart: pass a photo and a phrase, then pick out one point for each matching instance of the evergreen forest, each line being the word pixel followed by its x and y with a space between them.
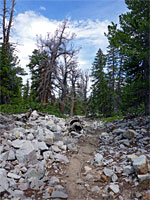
pixel 117 83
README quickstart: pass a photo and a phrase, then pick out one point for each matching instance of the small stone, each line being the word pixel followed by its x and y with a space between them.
pixel 14 176
pixel 98 159
pixel 55 148
pixel 108 172
pixel 144 177
pixel 11 155
pixel 3 180
pixel 129 134
pixel 54 180
pixel 88 177
pixel 140 164
pixel 114 187
pixel 42 146
pixel 87 169
pixel 114 177
pixel 30 136
pixel 61 158
pixel 59 194
pixel 128 170
pixel 104 178
pixel 95 189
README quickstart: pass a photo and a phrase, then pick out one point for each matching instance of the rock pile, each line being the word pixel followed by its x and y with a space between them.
pixel 123 157
pixel 35 150
pixel 31 145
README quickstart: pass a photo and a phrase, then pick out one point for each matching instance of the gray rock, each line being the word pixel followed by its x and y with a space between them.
pixel 114 177
pixel 11 155
pixel 55 148
pixel 129 134
pixel 4 156
pixel 3 180
pixel 98 159
pixel 18 132
pixel 88 177
pixel 128 169
pixel 61 158
pixel 47 155
pixel 34 115
pixel 140 164
pixel 95 189
pixel 14 176
pixel 18 193
pixel 30 136
pixel 26 153
pixel 59 194
pixel 144 177
pixel 42 146
pixel 114 187
pixel 31 172
pixel 18 143
pixel 108 172
pixel 53 180
pixel 23 186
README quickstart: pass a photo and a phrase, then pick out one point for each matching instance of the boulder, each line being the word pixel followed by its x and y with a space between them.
pixel 140 164
pixel 3 180
pixel 26 153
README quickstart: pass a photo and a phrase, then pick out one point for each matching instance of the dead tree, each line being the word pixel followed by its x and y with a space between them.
pixel 55 47
pixel 83 85
pixel 62 76
pixel 7 25
pixel 74 75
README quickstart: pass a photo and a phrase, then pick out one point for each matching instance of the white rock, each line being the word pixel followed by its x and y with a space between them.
pixel 30 136
pixel 18 143
pixel 14 176
pixel 87 169
pixel 144 177
pixel 114 177
pixel 42 146
pixel 114 187
pixel 11 155
pixel 55 148
pixel 98 159
pixel 108 172
pixel 140 164
pixel 3 180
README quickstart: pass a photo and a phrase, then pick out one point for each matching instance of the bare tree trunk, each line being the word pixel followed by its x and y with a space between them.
pixel 72 101
pixel 6 30
pixel 4 20
pixel 10 21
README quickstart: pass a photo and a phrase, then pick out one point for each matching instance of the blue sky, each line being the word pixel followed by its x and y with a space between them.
pixel 76 9
pixel 88 19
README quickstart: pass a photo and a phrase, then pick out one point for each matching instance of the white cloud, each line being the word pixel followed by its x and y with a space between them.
pixel 89 36
pixel 42 8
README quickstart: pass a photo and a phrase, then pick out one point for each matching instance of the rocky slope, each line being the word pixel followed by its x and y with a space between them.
pixel 45 157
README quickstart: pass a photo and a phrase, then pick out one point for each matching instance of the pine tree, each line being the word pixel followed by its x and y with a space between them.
pixel 10 82
pixel 133 38
pixel 99 95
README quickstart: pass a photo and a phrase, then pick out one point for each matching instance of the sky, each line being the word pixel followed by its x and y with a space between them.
pixel 88 20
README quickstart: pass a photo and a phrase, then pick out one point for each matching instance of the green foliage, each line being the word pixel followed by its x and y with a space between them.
pixel 22 107
pixel 10 82
pixel 127 68
pixel 111 119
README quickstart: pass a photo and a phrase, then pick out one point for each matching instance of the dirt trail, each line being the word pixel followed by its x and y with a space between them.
pixel 75 180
